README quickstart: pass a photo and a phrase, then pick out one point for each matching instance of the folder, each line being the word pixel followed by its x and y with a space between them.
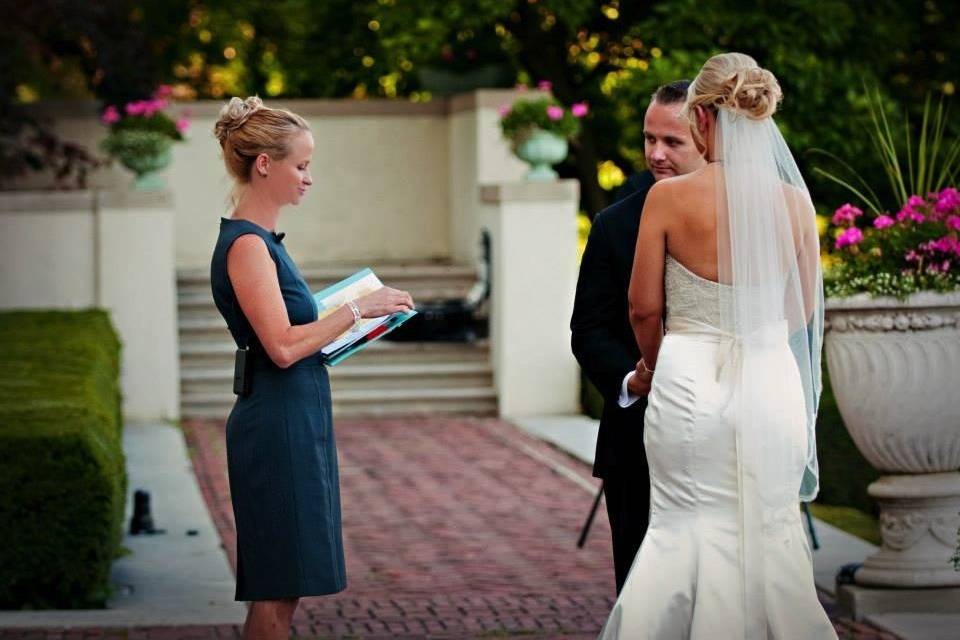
pixel 367 330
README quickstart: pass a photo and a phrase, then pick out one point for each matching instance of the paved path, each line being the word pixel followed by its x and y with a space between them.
pixel 454 528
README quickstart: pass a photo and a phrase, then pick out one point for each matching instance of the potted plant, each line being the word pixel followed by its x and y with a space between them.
pixel 539 131
pixel 141 136
pixel 892 280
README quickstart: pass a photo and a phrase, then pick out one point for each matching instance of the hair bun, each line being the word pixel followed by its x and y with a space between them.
pixel 234 114
pixel 752 91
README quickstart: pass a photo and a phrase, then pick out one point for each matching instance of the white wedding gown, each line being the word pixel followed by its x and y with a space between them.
pixel 686 581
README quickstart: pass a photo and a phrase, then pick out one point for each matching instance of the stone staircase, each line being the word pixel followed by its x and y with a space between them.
pixel 387 378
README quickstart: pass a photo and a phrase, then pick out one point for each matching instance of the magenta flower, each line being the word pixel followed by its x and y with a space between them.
pixel 947 200
pixel 182 125
pixel 882 222
pixel 846 215
pixel 579 109
pixel 915 201
pixel 136 108
pixel 946 245
pixel 503 110
pixel 545 85
pixel 909 213
pixel 163 91
pixel 849 238
pixel 110 115
pixel 953 223
pixel 554 112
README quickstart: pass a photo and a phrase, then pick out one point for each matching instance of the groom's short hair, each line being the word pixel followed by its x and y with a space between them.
pixel 672 92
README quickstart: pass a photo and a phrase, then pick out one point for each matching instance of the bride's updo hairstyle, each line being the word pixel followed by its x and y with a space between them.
pixel 247 128
pixel 736 82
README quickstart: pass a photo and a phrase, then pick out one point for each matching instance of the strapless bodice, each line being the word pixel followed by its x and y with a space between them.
pixel 691 297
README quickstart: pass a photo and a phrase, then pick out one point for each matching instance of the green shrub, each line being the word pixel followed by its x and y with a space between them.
pixel 62 468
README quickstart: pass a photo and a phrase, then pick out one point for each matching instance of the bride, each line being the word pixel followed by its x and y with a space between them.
pixel 730 253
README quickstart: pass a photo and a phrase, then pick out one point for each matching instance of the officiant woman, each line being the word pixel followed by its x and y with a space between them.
pixel 281 457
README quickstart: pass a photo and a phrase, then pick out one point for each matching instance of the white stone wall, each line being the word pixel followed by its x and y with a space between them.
pixel 110 250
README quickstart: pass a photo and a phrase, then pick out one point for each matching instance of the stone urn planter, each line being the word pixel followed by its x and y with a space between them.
pixel 145 153
pixel 895 369
pixel 541 150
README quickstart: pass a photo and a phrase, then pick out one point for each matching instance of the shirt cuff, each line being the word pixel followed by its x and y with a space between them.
pixel 626 398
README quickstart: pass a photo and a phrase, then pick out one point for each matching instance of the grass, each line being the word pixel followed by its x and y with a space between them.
pixel 853 521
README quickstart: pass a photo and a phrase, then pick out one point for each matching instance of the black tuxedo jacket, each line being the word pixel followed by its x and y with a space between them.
pixel 602 338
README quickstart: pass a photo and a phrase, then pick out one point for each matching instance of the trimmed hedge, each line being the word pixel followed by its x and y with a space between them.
pixel 62 471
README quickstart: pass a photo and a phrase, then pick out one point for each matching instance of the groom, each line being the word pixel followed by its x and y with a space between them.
pixel 602 339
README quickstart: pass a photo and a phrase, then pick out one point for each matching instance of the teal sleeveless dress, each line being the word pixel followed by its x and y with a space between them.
pixel 281 455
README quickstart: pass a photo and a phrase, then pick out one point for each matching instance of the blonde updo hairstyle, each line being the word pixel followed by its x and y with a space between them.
pixel 736 82
pixel 247 128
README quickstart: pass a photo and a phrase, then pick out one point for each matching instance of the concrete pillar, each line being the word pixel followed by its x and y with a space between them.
pixel 534 242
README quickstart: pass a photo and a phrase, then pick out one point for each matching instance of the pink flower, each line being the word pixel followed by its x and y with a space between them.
pixel 882 222
pixel 579 109
pixel 947 244
pixel 155 105
pixel 554 112
pixel 915 201
pixel 953 222
pixel 136 108
pixel 545 85
pixel 503 110
pixel 849 238
pixel 846 215
pixel 182 125
pixel 163 91
pixel 110 115
pixel 947 200
pixel 909 213
pixel 911 256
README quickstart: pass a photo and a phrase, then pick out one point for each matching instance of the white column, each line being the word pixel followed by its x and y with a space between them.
pixel 479 155
pixel 137 285
pixel 534 242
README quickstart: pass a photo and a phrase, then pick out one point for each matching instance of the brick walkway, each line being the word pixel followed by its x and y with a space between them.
pixel 454 528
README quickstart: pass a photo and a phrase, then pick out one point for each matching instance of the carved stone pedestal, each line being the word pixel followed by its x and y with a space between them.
pixel 919 518
pixel 894 367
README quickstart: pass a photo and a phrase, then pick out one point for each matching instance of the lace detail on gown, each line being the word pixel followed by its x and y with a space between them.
pixel 693 297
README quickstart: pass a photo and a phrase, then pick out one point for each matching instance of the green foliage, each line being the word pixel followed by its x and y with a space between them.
pixel 157 123
pixel 921 162
pixel 527 116
pixel 61 459
pixel 135 143
pixel 611 55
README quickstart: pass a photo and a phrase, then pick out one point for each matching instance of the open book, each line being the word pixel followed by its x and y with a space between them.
pixel 368 329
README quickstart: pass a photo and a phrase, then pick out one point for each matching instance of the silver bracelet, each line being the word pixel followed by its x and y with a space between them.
pixel 355 310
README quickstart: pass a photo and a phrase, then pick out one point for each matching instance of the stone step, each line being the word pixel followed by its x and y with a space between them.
pixel 482 401
pixel 351 376
pixel 423 281
pixel 213 353
pixel 336 272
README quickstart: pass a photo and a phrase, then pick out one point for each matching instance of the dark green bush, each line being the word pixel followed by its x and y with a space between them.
pixel 62 471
